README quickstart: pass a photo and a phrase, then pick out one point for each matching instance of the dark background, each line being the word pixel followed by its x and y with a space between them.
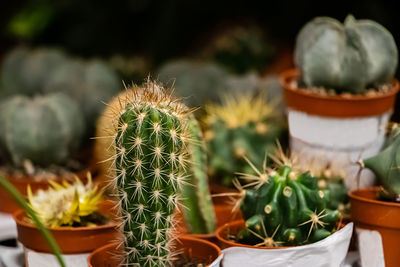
pixel 165 29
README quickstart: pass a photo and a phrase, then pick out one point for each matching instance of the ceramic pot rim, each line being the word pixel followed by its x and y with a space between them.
pixel 353 194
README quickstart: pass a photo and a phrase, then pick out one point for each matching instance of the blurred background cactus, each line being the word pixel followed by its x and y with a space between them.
pixel 68 204
pixel 243 125
pixel 351 57
pixel 44 130
pixel 284 207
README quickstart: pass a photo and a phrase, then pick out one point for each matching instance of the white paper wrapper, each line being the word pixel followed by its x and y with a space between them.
pixel 330 252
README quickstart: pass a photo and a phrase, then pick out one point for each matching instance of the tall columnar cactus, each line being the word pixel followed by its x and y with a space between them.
pixel 285 208
pixel 386 166
pixel 197 207
pixel 150 158
pixel 43 129
pixel 346 57
pixel 242 126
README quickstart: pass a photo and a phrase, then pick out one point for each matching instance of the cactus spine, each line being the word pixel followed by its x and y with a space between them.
pixel 150 158
pixel 197 208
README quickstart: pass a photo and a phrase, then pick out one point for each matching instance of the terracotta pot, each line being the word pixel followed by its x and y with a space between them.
pixel 193 248
pixel 72 240
pixel 337 106
pixel 223 215
pixel 7 203
pixel 218 198
pixel 384 217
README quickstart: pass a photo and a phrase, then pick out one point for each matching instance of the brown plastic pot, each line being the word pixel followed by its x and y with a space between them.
pixel 337 106
pixel 223 214
pixel 370 213
pixel 72 240
pixel 7 203
pixel 193 248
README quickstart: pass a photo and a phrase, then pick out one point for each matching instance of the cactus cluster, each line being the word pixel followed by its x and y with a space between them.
pixel 285 207
pixel 243 125
pixel 66 204
pixel 386 166
pixel 152 139
pixel 350 57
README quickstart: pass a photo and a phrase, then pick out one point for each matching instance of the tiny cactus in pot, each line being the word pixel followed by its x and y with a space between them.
pixel 285 207
pixel 149 136
pixel 350 57
pixel 241 125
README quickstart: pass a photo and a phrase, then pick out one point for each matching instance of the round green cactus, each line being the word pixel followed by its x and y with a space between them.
pixel 196 82
pixel 285 208
pixel 242 126
pixel 91 83
pixel 27 71
pixel 43 129
pixel 346 57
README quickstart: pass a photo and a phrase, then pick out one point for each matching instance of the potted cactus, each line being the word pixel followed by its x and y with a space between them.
pixel 341 95
pixel 148 136
pixel 378 208
pixel 283 207
pixel 44 119
pixel 75 215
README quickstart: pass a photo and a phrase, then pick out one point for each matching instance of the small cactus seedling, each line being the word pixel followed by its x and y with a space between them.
pixel 150 158
pixel 285 208
pixel 386 166
pixel 197 207
pixel 347 57
pixel 242 125
pixel 68 204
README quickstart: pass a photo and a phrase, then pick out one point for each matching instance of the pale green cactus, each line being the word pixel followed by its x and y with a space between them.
pixel 347 57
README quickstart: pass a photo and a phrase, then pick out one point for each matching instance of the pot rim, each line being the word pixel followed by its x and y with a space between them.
pixel 353 195
pixel 20 214
pixel 336 106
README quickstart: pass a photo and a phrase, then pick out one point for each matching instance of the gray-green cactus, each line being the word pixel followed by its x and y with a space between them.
pixel 198 210
pixel 196 82
pixel 386 166
pixel 91 83
pixel 346 57
pixel 150 130
pixel 43 129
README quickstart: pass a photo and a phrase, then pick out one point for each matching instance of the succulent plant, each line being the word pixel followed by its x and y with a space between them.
pixel 27 72
pixel 44 129
pixel 243 125
pixel 198 210
pixel 285 208
pixel 196 82
pixel 90 83
pixel 241 49
pixel 347 57
pixel 149 133
pixel 386 166
pixel 66 204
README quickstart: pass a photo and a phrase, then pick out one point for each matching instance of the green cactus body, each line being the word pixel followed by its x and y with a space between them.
pixel 289 209
pixel 386 164
pixel 196 82
pixel 44 129
pixel 346 57
pixel 149 162
pixel 93 84
pixel 241 126
pixel 196 200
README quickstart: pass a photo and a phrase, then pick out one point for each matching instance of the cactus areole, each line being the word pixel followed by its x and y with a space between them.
pixel 149 162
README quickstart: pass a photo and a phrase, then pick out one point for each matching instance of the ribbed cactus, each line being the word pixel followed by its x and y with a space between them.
pixel 285 208
pixel 197 209
pixel 150 132
pixel 386 166
pixel 242 126
pixel 346 57
pixel 44 129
